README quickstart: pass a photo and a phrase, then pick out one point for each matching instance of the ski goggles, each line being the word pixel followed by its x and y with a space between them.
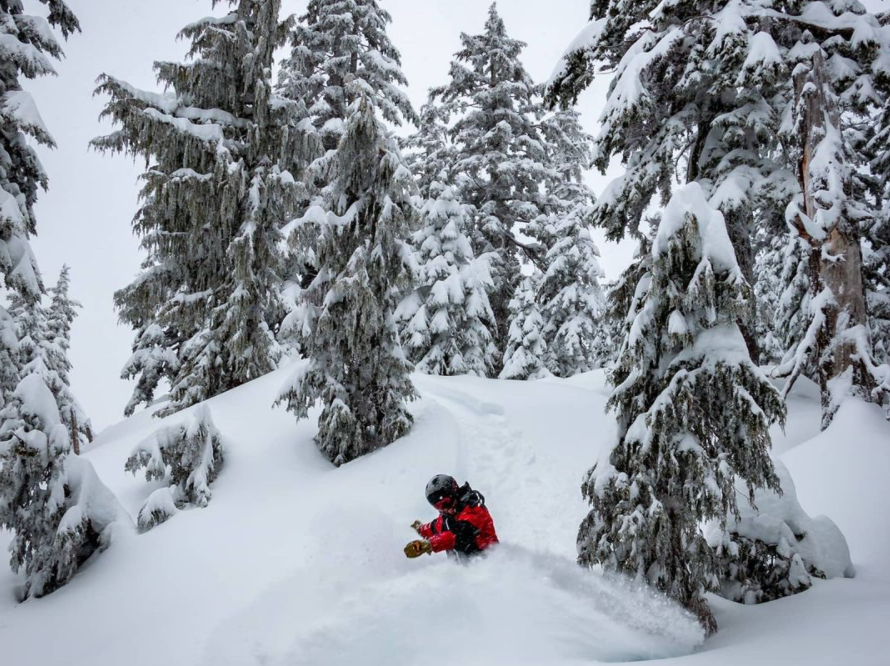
pixel 440 501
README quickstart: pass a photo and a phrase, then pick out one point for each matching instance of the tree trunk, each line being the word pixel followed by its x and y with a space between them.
pixel 836 259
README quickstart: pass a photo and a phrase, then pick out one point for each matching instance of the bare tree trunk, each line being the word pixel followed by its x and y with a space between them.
pixel 75 436
pixel 836 260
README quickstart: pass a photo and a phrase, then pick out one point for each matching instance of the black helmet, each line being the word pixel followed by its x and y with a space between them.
pixel 441 487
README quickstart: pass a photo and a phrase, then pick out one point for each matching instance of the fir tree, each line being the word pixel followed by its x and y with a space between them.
pixel 448 319
pixel 333 43
pixel 27 50
pixel 526 354
pixel 749 100
pixel 500 162
pixel 356 367
pixel 55 505
pixel 430 152
pixel 46 499
pixel 347 71
pixel 224 155
pixel 570 296
pixel 61 314
pixel 693 414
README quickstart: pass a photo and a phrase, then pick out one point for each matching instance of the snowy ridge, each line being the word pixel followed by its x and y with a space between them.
pixel 296 562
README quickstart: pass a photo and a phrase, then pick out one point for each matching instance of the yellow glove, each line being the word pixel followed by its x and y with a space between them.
pixel 418 548
pixel 416 525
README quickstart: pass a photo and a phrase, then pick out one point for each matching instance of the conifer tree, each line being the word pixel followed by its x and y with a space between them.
pixel 693 414
pixel 753 103
pixel 500 162
pixel 570 296
pixel 334 43
pixel 527 353
pixel 60 316
pixel 347 72
pixel 225 156
pixel 877 231
pixel 55 505
pixel 448 319
pixel 356 367
pixel 47 500
pixel 430 152
pixel 27 50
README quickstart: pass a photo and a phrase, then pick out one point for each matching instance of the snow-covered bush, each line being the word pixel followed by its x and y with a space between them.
pixel 52 501
pixel 188 456
pixel 774 549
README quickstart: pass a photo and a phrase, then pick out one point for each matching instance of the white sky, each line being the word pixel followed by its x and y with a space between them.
pixel 84 218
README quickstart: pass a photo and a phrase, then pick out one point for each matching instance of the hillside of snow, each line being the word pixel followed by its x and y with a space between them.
pixel 296 562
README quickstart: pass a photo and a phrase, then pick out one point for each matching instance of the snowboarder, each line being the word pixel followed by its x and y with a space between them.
pixel 464 527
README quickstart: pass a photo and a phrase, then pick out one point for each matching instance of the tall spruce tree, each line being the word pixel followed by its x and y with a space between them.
pixel 348 74
pixel 225 156
pixel 500 162
pixel 693 413
pixel 753 103
pixel 47 499
pixel 356 367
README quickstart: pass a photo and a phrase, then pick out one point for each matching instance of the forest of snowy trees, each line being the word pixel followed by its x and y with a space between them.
pixel 296 209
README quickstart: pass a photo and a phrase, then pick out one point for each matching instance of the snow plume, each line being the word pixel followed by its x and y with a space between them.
pixel 188 457
pixel 693 414
pixel 773 549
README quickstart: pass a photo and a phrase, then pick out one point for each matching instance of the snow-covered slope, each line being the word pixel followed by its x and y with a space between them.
pixel 295 562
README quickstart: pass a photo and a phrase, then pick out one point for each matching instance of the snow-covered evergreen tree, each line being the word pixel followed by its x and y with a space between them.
pixel 225 155
pixel 570 296
pixel 748 99
pixel 526 354
pixel 187 456
pixel 45 499
pixel 356 367
pixel 448 318
pixel 429 152
pixel 53 504
pixel 876 250
pixel 27 49
pixel 624 300
pixel 693 413
pixel 334 43
pixel 348 74
pixel 500 161
pixel 61 314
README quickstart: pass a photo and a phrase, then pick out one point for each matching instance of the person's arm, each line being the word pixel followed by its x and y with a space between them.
pixel 461 536
pixel 427 530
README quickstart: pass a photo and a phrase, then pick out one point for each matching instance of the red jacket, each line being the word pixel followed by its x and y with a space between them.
pixel 470 531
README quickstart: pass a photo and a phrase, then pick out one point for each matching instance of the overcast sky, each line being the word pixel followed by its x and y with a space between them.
pixel 84 218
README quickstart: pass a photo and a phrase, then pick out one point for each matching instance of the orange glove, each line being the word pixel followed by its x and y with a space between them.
pixel 418 548
pixel 416 525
